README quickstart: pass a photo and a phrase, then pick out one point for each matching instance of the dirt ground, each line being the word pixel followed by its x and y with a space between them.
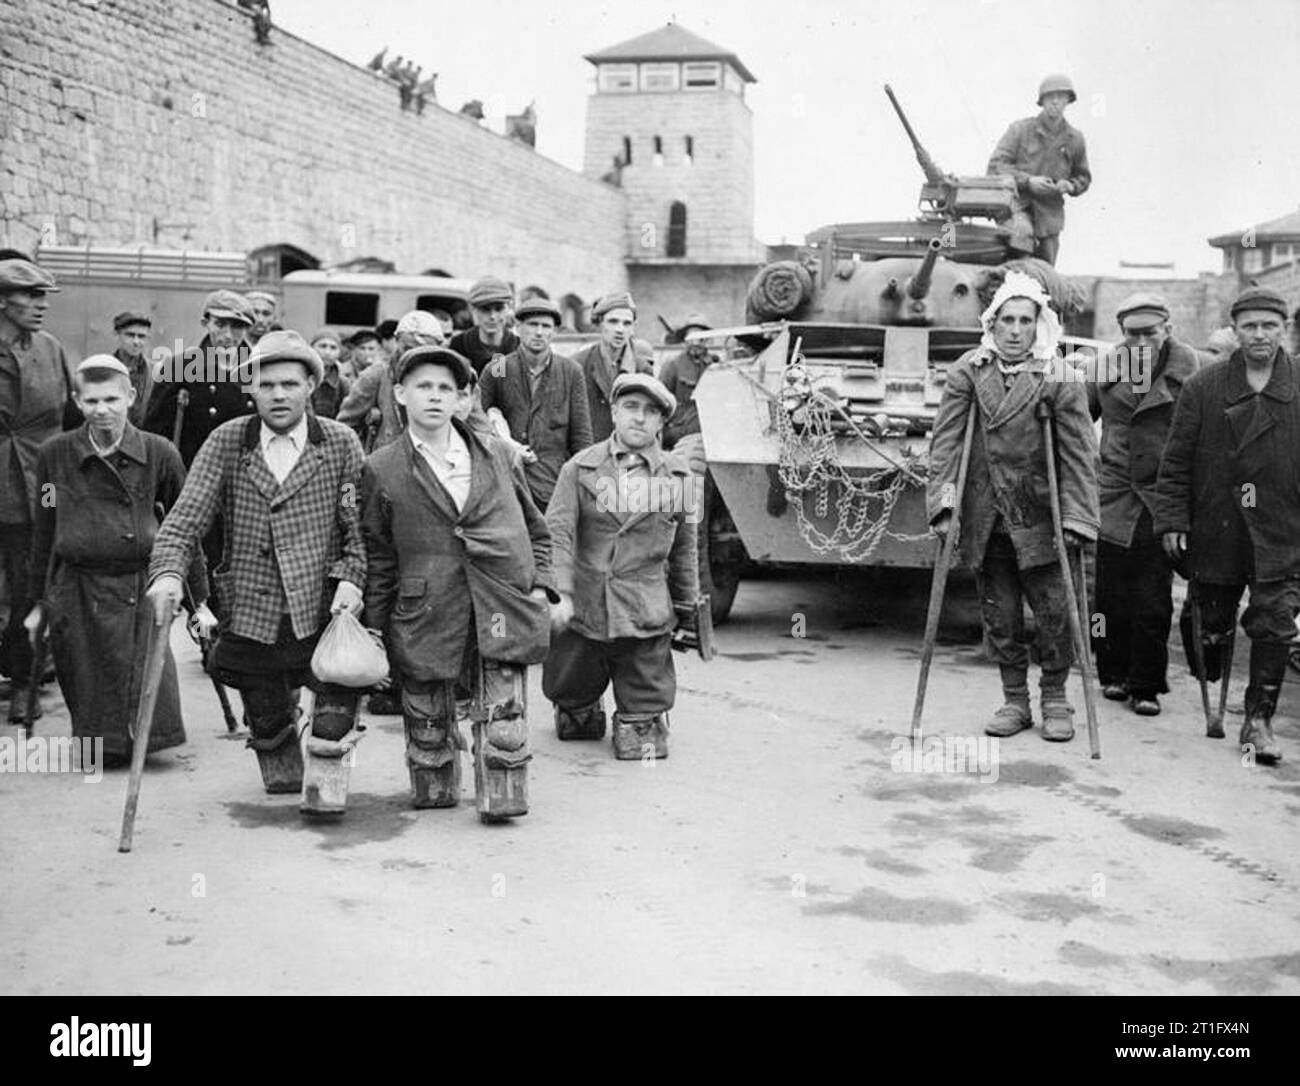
pixel 779 848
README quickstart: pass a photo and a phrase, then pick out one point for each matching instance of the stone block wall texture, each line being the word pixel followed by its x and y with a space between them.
pixel 717 186
pixel 138 122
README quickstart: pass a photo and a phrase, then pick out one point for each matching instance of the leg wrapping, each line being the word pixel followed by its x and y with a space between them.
pixel 433 744
pixel 640 735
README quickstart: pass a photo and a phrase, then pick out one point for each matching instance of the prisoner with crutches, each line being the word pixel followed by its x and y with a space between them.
pixel 1007 534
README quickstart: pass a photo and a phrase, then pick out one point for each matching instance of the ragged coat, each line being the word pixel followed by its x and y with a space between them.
pixel 599 376
pixel 554 421
pixel 1007 479
pixel 1133 432
pixel 35 404
pixel 286 545
pixel 433 570
pixel 1230 473
pixel 624 567
pixel 100 527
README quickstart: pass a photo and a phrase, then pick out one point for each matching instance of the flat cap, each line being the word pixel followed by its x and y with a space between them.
pixel 361 336
pixel 1143 306
pixel 490 290
pixel 262 296
pixel 693 320
pixel 287 346
pixel 326 333
pixel 24 275
pixel 228 305
pixel 435 356
pixel 130 317
pixel 1260 298
pixel 419 323
pixel 538 305
pixel 643 382
pixel 102 362
pixel 620 299
pixel 386 329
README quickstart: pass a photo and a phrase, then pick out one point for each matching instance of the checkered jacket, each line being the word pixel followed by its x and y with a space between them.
pixel 284 543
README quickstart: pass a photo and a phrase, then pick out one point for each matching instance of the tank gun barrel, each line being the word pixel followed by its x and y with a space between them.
pixel 919 285
pixel 933 175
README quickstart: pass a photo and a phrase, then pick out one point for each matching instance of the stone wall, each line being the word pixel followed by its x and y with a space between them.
pixel 164 123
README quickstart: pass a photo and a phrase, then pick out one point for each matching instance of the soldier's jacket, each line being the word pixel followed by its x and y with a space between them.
pixel 1133 432
pixel 286 545
pixel 35 404
pixel 1230 473
pixel 624 569
pixel 215 397
pixel 599 379
pixel 1029 148
pixel 433 570
pixel 1007 478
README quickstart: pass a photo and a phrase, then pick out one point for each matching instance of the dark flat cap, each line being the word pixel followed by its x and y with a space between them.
pixel 125 320
pixel 386 329
pixel 643 382
pixel 1260 298
pixel 433 355
pixel 620 299
pixel 538 305
pixel 24 275
pixel 1145 306
pixel 227 305
pixel 489 291
pixel 287 346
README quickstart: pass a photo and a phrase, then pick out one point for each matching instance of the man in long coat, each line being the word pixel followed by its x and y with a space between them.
pixel 1228 500
pixel 459 572
pixel 1137 386
pixel 108 486
pixel 35 404
pixel 285 484
pixel 1048 157
pixel 1006 530
pixel 538 399
pixel 617 351
pixel 623 522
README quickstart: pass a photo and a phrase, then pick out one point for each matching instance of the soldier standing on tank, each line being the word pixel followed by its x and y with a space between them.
pixel 1049 160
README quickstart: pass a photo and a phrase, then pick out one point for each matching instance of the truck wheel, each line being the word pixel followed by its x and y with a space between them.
pixel 722 556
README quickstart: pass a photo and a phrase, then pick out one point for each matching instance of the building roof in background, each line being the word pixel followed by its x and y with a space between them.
pixel 1287 228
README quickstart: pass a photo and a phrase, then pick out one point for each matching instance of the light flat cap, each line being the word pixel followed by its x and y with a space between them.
pixel 227 305
pixel 287 346
pixel 650 386
pixel 620 299
pixel 419 323
pixel 491 291
pixel 102 363
pixel 1143 307
pixel 24 275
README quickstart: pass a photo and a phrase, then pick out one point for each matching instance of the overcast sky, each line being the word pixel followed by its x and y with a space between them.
pixel 1189 106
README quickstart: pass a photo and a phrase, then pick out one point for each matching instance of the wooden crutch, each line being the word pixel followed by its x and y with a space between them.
pixel 1044 412
pixel 939 582
pixel 155 661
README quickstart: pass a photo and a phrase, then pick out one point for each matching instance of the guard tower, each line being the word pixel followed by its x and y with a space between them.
pixel 669 124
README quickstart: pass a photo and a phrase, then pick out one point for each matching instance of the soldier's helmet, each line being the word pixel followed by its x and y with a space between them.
pixel 1053 83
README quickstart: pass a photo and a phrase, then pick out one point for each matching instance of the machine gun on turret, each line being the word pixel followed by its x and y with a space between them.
pixel 947 196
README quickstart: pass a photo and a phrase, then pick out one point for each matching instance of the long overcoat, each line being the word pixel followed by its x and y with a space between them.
pixel 99 525
pixel 624 563
pixel 36 368
pixel 1133 433
pixel 1007 478
pixel 432 570
pixel 1230 473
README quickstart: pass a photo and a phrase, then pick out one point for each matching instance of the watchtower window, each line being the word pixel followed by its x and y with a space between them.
pixel 677 229
pixel 660 77
pixel 702 76
pixel 690 150
pixel 627 150
pixel 659 151
pixel 617 78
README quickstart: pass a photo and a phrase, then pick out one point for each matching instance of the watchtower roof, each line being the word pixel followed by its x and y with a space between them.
pixel 671 42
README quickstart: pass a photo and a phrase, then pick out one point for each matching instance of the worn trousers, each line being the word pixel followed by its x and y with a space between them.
pixel 1003 588
pixel 1135 602
pixel 1270 615
pixel 578 670
pixel 15 649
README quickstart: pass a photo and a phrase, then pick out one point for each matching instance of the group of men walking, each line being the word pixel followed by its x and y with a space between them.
pixel 264 520
pixel 1197 473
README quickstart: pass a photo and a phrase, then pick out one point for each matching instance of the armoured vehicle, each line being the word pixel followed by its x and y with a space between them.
pixel 817 415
